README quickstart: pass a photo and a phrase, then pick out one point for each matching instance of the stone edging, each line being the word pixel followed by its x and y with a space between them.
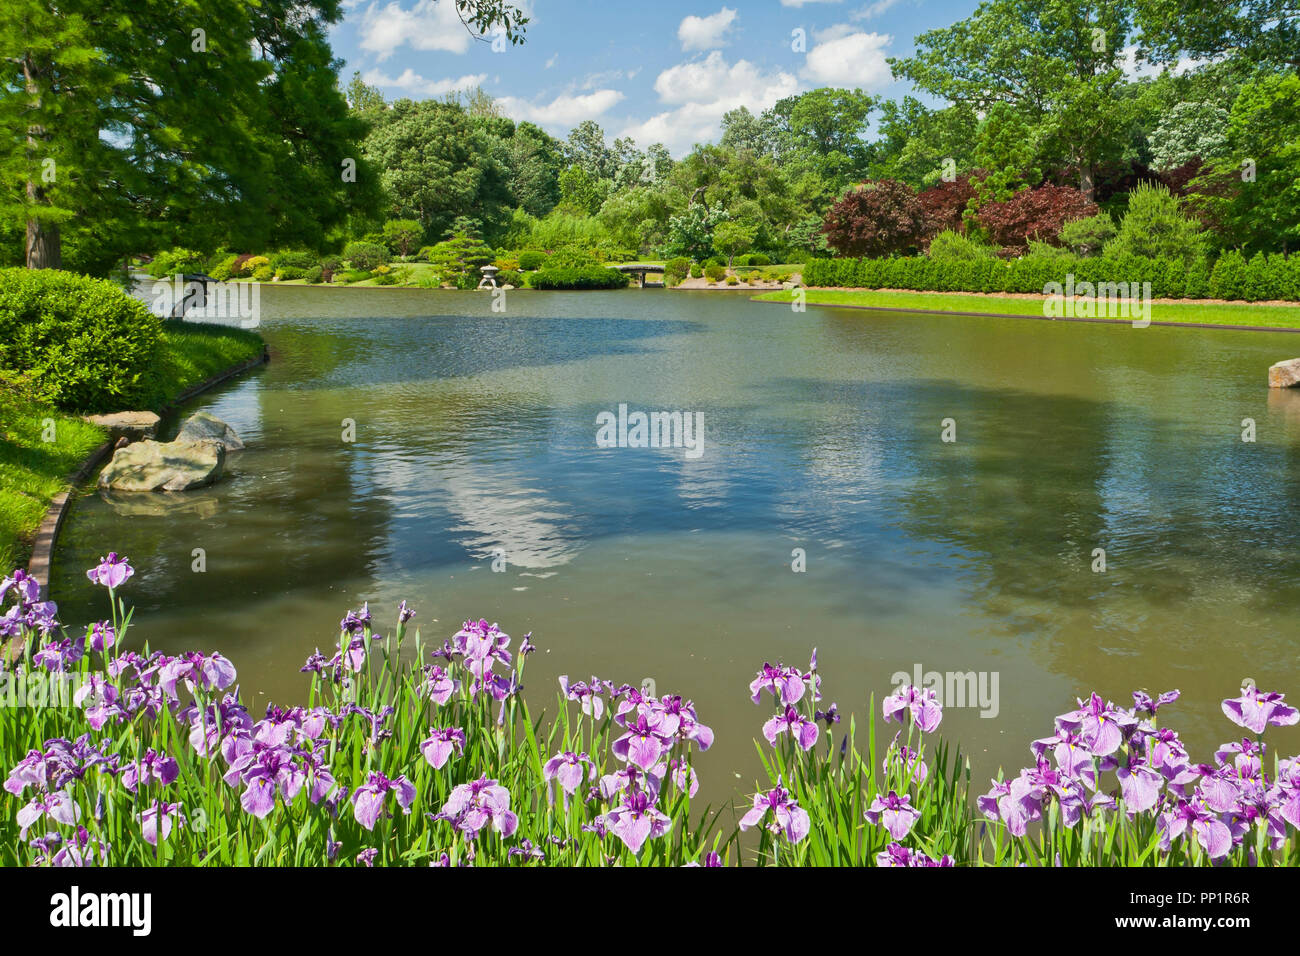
pixel 1040 318
pixel 48 534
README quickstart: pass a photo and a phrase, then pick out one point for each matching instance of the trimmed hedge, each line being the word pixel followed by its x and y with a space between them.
pixel 578 277
pixel 86 345
pixel 1231 277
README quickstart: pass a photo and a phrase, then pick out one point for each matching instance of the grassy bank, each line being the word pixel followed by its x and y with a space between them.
pixel 1202 313
pixel 34 468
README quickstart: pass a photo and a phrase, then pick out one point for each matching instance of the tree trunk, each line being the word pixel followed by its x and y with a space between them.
pixel 1086 185
pixel 44 250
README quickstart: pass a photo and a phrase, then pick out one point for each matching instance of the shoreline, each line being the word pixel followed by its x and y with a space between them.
pixel 47 535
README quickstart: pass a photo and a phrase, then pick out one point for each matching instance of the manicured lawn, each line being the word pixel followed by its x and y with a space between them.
pixel 33 471
pixel 1242 314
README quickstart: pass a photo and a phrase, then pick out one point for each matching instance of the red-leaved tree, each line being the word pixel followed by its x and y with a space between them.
pixel 945 202
pixel 1034 214
pixel 876 218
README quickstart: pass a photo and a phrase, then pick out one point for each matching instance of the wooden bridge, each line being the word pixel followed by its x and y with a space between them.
pixel 641 270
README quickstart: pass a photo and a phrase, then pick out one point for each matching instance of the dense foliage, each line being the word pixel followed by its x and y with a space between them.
pixel 85 345
pixel 579 277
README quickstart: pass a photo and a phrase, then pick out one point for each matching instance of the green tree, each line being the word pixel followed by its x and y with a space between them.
pixel 1057 63
pixel 403 235
pixel 1189 131
pixel 582 192
pixel 733 238
pixel 1263 31
pixel 823 132
pixel 1155 225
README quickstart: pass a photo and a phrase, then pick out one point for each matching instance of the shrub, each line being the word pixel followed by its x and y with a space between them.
pixel 578 277
pixel 877 218
pixel 755 259
pixel 697 270
pixel 949 246
pixel 293 260
pixel 263 274
pixel 353 275
pixel 675 270
pixel 314 275
pixel 250 265
pixel 289 273
pixel 715 272
pixel 531 259
pixel 945 204
pixel 86 344
pixel 225 269
pixel 1034 214
pixel 1155 225
pixel 402 235
pixel 1088 236
pixel 510 277
pixel 461 257
pixel 732 280
pixel 246 263
pixel 365 255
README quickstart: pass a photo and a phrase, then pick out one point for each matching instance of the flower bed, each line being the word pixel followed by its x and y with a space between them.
pixel 415 754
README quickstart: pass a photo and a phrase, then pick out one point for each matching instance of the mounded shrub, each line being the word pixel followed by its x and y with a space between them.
pixel 315 275
pixel 531 259
pixel 365 255
pixel 263 274
pixel 715 272
pixel 578 277
pixel 84 343
pixel 288 273
pixel 293 260
pixel 675 270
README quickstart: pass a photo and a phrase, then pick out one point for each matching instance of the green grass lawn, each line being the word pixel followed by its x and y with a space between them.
pixel 33 470
pixel 1234 314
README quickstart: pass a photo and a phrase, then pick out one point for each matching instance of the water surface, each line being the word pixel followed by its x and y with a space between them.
pixel 476 431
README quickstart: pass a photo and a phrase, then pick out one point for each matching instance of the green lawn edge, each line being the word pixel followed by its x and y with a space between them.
pixel 34 470
pixel 1244 314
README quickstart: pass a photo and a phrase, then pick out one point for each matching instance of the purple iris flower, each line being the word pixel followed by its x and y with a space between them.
pixel 217 722
pixel 1255 710
pixel 438 747
pixel 681 774
pixel 356 622
pixel 785 683
pixel 58 806
pixel 787 816
pixel 567 768
pixel 898 855
pixel 367 856
pixel 526 646
pixel 630 780
pixel 907 762
pixel 438 686
pixel 803 730
pixel 587 695
pixel 80 850
pixel 156 823
pixel 637 820
pixel 1139 784
pixel 60 656
pixel 472 806
pixel 896 814
pixel 922 704
pixel 101 636
pixel 1101 726
pixel 1210 831
pixel 25 587
pixel 710 859
pixel 404 613
pixel 481 643
pixel 1143 704
pixel 111 572
pixel 212 672
pixel 153 766
pixel 644 742
pixel 831 716
pixel 368 800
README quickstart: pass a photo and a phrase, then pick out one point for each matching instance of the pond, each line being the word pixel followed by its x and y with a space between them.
pixel 475 437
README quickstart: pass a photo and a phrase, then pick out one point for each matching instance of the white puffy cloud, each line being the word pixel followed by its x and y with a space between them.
pixel 804 3
pixel 872 10
pixel 563 111
pixel 847 58
pixel 426 25
pixel 700 92
pixel 702 33
pixel 416 85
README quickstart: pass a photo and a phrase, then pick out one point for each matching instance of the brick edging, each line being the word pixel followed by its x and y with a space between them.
pixel 48 534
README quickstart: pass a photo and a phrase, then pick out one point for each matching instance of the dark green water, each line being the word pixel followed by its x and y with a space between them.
pixel 476 431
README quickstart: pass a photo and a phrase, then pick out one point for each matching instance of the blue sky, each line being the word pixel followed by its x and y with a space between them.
pixel 663 71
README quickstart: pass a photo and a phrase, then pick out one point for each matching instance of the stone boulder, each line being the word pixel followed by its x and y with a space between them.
pixel 204 427
pixel 133 426
pixel 164 466
pixel 1285 374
